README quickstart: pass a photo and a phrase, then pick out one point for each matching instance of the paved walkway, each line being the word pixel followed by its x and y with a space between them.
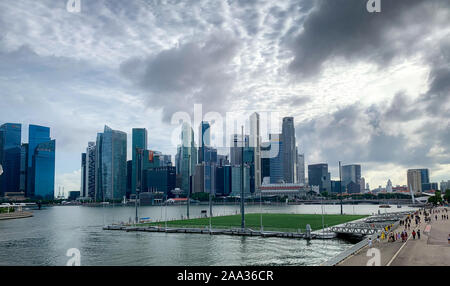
pixel 431 249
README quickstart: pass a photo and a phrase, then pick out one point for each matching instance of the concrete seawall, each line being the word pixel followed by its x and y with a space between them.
pixel 15 215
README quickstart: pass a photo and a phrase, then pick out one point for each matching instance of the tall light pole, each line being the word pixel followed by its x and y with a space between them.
pixel 191 182
pixel 340 186
pixel 138 181
pixel 242 181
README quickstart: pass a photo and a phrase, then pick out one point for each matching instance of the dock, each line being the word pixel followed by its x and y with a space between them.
pixel 233 231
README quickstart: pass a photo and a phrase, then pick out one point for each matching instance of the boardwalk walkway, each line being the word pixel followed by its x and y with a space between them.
pixel 431 249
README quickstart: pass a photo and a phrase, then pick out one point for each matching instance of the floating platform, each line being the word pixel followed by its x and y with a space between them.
pixel 236 232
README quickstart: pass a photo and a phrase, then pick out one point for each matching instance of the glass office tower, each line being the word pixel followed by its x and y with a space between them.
pixel 10 147
pixel 36 135
pixel 139 140
pixel 114 164
pixel 44 170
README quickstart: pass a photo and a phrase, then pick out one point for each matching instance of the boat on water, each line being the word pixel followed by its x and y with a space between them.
pixel 385 206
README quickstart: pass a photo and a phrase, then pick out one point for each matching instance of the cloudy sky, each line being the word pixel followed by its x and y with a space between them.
pixel 368 88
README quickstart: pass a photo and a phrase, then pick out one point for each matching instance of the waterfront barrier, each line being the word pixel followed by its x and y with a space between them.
pixel 15 215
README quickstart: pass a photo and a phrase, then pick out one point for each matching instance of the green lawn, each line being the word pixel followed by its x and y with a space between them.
pixel 281 222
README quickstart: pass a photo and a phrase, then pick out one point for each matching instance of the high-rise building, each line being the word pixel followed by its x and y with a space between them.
pixel 23 167
pixel 83 176
pixel 300 168
pixel 351 173
pixel 318 175
pixel 91 151
pixel 36 135
pixel 98 168
pixel 236 148
pixel 236 183
pixel 160 179
pixel 255 143
pixel 289 153
pixel 113 164
pixel 204 141
pixel 44 170
pixel 444 186
pixel 265 161
pixel 414 180
pixel 139 141
pixel 223 180
pixel 276 162
pixel 188 156
pixel 10 152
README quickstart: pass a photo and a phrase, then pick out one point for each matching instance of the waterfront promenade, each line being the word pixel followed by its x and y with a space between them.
pixel 15 215
pixel 432 249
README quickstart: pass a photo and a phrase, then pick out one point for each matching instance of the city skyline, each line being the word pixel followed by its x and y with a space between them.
pixel 366 96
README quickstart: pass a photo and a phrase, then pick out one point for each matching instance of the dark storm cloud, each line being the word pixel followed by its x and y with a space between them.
pixel 194 73
pixel 357 134
pixel 344 29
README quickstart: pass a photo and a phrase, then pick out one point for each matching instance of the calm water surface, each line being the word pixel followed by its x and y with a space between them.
pixel 45 238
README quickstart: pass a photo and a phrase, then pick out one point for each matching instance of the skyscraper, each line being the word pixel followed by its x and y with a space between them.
pixel 255 143
pixel 113 167
pixel 351 173
pixel 318 176
pixel 204 141
pixel 414 178
pixel 139 140
pixel 276 162
pixel 188 156
pixel 44 170
pixel 300 168
pixel 91 152
pixel 36 135
pixel 83 176
pixel 289 154
pixel 10 150
pixel 236 148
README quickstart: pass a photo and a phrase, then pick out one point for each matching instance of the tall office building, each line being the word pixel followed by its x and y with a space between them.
pixel 113 167
pixel 351 173
pixel 91 152
pixel 276 162
pixel 265 161
pixel 289 154
pixel 98 167
pixel 188 156
pixel 83 176
pixel 204 141
pixel 255 143
pixel 23 167
pixel 318 175
pixel 300 168
pixel 10 153
pixel 236 148
pixel 139 140
pixel 414 178
pixel 36 135
pixel 44 170
pixel 236 182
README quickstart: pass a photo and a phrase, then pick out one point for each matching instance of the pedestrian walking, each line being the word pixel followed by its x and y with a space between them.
pixel 370 242
pixel 414 234
pixel 418 234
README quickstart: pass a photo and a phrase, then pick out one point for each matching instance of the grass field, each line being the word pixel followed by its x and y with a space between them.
pixel 280 222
